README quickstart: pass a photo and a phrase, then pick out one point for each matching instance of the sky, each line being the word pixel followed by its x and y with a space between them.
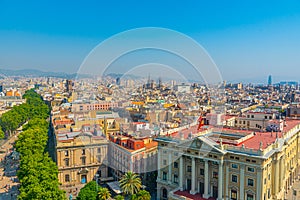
pixel 248 40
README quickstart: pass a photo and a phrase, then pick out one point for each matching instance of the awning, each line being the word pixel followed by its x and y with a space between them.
pixel 115 186
pixel 107 179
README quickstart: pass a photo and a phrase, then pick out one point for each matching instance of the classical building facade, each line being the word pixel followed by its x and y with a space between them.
pixel 81 157
pixel 229 164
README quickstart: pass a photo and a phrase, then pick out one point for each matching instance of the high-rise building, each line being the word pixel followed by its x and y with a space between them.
pixel 68 85
pixel 118 81
pixel 270 80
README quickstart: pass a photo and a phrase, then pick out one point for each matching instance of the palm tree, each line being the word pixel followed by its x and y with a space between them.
pixel 141 195
pixel 130 183
pixel 104 194
pixel 119 197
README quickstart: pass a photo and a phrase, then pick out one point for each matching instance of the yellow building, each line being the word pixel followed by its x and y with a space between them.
pixel 80 156
pixel 228 164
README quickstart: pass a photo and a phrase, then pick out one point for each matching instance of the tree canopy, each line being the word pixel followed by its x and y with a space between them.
pixel 141 195
pixel 38 173
pixel 89 191
pixel 130 183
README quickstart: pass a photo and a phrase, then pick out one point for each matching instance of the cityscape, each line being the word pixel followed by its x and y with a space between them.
pixel 142 109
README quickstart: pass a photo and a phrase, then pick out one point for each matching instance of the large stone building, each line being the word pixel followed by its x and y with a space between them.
pixel 136 154
pixel 229 164
pixel 81 147
pixel 80 156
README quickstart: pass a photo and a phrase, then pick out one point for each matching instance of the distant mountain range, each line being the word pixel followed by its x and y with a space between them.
pixel 35 73
pixel 39 73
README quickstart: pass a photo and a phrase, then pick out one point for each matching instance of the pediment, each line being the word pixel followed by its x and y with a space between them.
pixel 201 144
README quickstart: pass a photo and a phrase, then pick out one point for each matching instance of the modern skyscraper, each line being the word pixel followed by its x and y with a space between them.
pixel 270 80
pixel 118 81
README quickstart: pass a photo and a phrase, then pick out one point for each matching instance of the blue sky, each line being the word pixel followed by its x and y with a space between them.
pixel 246 39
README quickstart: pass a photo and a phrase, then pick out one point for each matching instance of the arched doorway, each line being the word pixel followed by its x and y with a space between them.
pixel 164 194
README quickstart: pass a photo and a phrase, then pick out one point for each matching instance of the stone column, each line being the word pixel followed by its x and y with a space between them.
pixel 206 182
pixel 242 182
pixel 193 190
pixel 281 182
pixel 258 184
pixel 59 162
pixel 170 167
pixel 158 193
pixel 181 173
pixel 276 176
pixel 158 165
pixel 226 193
pixel 74 158
pixel 220 180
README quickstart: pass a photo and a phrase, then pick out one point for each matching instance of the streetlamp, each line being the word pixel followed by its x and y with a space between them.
pixel 97 176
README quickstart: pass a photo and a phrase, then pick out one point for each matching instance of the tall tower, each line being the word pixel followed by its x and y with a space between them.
pixel 270 80
pixel 118 81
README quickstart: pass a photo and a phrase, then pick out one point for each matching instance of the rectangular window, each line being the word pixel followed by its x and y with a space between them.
pixel 234 178
pixel 234 166
pixel 175 164
pixel 250 169
pixel 189 169
pixel 175 178
pixel 67 178
pixel 202 172
pixel 233 195
pixel 67 162
pixel 164 176
pixel 98 150
pixel 164 162
pixel 83 160
pixel 83 152
pixel 250 197
pixel 66 153
pixel 215 175
pixel 250 182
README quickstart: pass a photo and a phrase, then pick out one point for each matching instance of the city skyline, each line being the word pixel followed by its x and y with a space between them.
pixel 246 40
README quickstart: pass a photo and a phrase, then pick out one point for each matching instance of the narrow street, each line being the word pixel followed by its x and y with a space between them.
pixel 8 170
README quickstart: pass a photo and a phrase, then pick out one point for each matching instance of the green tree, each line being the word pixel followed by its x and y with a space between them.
pixel 2 134
pixel 103 194
pixel 141 195
pixel 130 183
pixel 38 173
pixel 119 197
pixel 89 191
